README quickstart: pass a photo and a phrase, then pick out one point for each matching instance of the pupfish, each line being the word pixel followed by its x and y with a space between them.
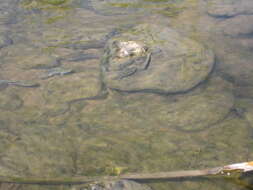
pixel 126 73
pixel 18 83
pixel 56 71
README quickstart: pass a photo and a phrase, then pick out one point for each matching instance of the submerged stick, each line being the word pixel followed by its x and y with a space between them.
pixel 218 171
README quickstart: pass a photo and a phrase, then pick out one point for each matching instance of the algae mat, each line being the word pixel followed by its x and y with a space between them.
pixel 79 124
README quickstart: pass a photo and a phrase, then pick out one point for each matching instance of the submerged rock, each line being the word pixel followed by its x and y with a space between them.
pixel 191 112
pixel 71 87
pixel 38 61
pixel 203 109
pixel 152 58
pixel 230 8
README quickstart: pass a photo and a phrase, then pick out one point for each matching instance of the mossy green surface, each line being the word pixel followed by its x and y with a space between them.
pixel 54 2
pixel 46 4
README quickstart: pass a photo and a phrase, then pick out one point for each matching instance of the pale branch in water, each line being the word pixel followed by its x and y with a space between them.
pixel 217 171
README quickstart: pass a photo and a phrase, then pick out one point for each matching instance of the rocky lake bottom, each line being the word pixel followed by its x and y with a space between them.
pixel 101 88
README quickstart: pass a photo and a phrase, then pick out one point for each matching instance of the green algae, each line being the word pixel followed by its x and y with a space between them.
pixel 123 5
pixel 54 19
pixel 171 10
pixel 164 7
pixel 47 4
pixel 54 2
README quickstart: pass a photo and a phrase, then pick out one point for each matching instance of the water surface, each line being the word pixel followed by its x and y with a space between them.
pixel 72 124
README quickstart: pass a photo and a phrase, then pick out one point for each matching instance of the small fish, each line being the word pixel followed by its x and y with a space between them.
pixel 57 71
pixel 19 83
pixel 87 45
pixel 143 61
pixel 126 73
pixel 127 63
pixel 81 57
pixel 147 61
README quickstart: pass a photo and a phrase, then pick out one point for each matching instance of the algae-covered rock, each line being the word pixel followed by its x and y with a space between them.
pixel 155 58
pixel 33 59
pixel 204 109
pixel 85 82
pixel 28 57
pixel 38 61
pixel 230 8
pixel 70 87
pixel 226 143
pixel 129 131
pixel 194 111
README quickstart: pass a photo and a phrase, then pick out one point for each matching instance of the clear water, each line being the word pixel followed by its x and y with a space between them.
pixel 73 125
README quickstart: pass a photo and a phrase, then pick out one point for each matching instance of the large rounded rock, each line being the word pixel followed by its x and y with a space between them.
pixel 157 59
pixel 200 110
pixel 191 112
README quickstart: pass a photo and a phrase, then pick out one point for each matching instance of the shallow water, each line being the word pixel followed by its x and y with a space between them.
pixel 77 124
